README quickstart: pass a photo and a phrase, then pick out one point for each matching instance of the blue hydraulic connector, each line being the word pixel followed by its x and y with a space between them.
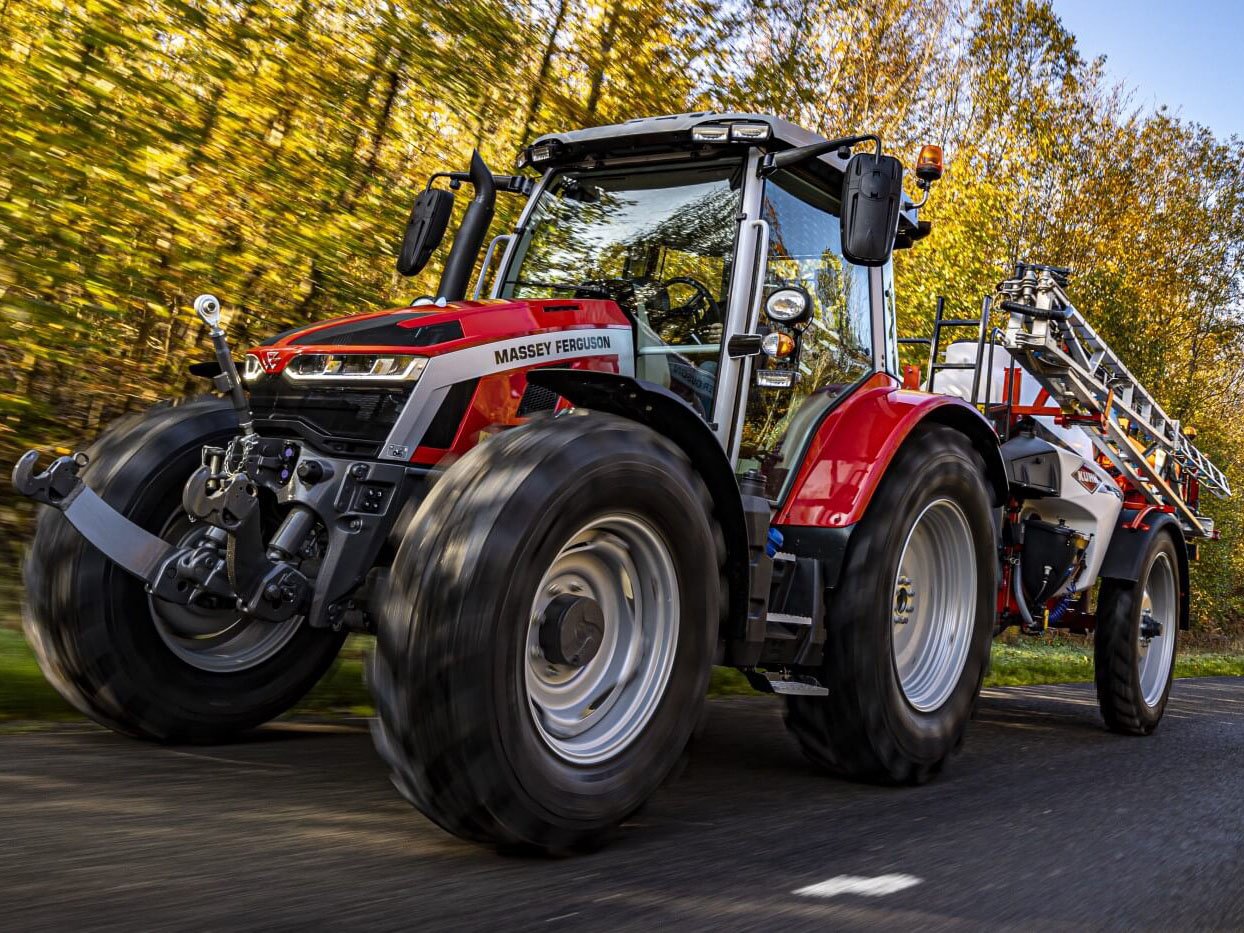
pixel 774 543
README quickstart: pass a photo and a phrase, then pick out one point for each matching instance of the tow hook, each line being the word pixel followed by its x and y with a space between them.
pixel 57 485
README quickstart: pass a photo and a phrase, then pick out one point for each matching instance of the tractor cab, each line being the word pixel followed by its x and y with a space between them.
pixel 721 237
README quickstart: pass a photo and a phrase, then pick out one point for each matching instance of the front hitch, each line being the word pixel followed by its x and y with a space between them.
pixel 270 590
pixel 233 562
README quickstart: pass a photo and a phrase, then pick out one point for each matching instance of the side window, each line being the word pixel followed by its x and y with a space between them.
pixel 832 346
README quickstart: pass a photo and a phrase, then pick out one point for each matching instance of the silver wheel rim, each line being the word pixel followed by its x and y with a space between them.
pixel 218 640
pixel 1157 605
pixel 933 605
pixel 590 713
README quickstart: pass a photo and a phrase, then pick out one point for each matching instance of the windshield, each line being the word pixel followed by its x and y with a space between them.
pixel 658 241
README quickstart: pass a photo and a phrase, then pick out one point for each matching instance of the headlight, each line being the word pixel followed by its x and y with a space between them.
pixel 710 133
pixel 355 367
pixel 749 132
pixel 788 305
pixel 776 378
pixel 541 154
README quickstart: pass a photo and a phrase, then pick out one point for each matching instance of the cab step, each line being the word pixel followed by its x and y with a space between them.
pixel 776 682
pixel 796 688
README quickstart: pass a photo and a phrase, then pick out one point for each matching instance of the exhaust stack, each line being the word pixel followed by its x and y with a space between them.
pixel 470 237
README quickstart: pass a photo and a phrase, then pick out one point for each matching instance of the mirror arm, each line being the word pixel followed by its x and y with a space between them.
pixel 775 161
pixel 511 184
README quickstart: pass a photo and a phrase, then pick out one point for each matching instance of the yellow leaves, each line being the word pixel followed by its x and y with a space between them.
pixel 103 87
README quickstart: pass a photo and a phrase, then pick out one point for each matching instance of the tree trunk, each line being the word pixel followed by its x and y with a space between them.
pixel 607 38
pixel 536 101
pixel 382 127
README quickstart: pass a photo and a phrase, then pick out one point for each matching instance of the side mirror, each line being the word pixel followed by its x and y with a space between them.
pixel 872 189
pixel 429 218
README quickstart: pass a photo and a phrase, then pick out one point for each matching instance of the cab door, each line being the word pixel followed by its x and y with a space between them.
pixel 817 360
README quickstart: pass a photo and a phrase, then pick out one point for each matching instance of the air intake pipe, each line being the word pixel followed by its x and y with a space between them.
pixel 470 236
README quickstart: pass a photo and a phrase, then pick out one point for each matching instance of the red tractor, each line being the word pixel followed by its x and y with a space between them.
pixel 674 434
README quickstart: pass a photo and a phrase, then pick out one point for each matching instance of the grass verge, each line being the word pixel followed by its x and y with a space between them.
pixel 26 696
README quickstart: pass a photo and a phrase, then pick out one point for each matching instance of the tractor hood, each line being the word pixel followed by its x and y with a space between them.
pixel 421 383
pixel 431 330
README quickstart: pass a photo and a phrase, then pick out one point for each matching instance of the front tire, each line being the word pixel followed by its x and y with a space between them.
pixel 139 666
pixel 1134 665
pixel 910 623
pixel 544 649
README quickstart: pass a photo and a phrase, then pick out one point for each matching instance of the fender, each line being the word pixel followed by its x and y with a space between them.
pixel 667 414
pixel 1129 544
pixel 853 447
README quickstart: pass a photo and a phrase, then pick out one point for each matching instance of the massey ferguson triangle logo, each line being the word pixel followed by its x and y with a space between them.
pixel 270 360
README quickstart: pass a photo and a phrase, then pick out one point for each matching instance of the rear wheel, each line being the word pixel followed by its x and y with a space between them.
pixel 544 647
pixel 910 622
pixel 139 665
pixel 1135 641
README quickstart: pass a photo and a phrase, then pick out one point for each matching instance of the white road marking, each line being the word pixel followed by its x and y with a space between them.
pixel 854 884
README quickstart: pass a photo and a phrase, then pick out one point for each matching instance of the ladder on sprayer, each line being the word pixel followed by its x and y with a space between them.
pixel 1049 338
pixel 934 343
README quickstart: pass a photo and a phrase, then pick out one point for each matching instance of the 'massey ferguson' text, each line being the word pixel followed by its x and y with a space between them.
pixel 556 347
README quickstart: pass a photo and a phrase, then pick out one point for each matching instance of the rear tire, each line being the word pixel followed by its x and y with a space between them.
pixel 492 730
pixel 97 635
pixel 902 692
pixel 1134 673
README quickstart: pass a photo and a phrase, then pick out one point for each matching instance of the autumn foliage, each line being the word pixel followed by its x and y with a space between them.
pixel 268 151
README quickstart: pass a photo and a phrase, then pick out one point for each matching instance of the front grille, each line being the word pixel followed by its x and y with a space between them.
pixel 339 419
pixel 536 399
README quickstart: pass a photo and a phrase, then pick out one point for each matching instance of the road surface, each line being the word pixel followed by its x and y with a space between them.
pixel 1044 821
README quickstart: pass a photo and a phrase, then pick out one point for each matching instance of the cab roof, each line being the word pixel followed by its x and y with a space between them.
pixel 673 133
pixel 666 133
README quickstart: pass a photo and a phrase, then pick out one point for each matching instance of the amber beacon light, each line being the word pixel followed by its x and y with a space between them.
pixel 929 163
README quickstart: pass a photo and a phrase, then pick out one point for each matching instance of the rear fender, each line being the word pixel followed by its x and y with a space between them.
pixel 668 415
pixel 1125 555
pixel 855 444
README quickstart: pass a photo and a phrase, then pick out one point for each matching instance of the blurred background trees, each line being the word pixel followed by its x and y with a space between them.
pixel 268 151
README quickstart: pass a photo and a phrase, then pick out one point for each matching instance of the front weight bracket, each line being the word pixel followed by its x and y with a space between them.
pixel 134 549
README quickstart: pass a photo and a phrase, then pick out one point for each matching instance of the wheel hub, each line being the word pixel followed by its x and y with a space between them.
pixel 213 636
pixel 572 630
pixel 601 638
pixel 904 600
pixel 1149 627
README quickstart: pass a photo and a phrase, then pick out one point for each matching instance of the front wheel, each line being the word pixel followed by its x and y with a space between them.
pixel 544 648
pixel 909 625
pixel 1135 641
pixel 139 665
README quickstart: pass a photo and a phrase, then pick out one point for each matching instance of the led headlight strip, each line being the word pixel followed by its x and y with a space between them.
pixel 352 367
pixel 345 367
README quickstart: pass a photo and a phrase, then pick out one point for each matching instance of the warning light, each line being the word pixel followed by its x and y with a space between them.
pixel 929 163
pixel 778 345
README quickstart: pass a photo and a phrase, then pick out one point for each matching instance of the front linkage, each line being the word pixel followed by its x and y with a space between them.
pixel 338 526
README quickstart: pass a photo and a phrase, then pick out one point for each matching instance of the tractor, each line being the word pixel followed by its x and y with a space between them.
pixel 668 429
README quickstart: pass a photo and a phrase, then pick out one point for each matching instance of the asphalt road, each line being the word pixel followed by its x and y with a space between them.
pixel 1044 821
